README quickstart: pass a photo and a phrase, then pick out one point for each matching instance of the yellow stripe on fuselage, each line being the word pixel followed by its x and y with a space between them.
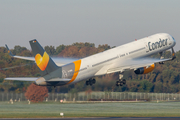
pixel 76 71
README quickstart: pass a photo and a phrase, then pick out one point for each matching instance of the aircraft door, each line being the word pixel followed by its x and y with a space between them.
pixel 146 46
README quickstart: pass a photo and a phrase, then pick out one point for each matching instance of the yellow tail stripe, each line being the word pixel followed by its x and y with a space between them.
pixel 76 71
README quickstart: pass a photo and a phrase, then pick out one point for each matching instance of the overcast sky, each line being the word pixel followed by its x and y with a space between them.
pixel 113 22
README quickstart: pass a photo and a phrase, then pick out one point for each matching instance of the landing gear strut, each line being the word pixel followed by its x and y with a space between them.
pixel 90 82
pixel 173 56
pixel 161 57
pixel 121 81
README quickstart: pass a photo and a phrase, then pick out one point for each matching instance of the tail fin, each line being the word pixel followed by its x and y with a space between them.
pixel 43 61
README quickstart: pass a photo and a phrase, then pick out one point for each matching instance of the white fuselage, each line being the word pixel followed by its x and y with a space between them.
pixel 98 64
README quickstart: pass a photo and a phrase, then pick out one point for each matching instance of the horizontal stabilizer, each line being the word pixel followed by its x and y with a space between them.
pixel 22 79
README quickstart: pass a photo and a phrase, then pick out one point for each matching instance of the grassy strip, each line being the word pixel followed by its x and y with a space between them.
pixel 56 115
pixel 52 110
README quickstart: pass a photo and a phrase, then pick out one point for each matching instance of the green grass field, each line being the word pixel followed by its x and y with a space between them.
pixel 52 109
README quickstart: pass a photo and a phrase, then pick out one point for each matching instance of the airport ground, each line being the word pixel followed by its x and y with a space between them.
pixel 86 110
pixel 96 118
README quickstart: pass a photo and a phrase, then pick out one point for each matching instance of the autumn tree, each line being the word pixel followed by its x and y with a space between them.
pixel 50 50
pixel 36 93
pixel 145 86
pixel 59 49
pixel 164 78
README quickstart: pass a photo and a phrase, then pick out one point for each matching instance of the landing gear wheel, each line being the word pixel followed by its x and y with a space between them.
pixel 90 82
pixel 121 83
pixel 124 81
pixel 93 81
pixel 117 83
pixel 87 82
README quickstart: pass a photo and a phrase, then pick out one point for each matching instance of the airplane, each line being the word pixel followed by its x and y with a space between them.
pixel 130 56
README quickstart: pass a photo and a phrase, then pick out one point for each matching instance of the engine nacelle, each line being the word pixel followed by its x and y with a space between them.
pixel 145 70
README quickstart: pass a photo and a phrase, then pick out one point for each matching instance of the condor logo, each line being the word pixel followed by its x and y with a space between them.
pixel 156 45
pixel 42 62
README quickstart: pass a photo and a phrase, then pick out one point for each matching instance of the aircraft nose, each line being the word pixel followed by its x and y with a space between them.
pixel 173 41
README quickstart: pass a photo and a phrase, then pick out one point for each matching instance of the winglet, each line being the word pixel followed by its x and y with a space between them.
pixel 9 51
pixel 173 54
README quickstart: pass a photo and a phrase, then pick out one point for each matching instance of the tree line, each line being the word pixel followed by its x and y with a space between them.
pixel 164 78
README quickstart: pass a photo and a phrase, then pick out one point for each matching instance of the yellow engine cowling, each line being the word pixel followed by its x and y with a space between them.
pixel 145 70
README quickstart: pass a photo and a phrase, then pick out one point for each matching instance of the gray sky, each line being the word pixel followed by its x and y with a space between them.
pixel 113 22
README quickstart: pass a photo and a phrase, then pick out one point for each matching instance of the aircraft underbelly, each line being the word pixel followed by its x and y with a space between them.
pixel 57 83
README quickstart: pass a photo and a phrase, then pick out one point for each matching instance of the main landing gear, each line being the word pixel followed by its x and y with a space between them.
pixel 90 81
pixel 121 81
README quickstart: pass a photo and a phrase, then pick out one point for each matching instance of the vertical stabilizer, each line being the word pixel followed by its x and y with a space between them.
pixel 43 61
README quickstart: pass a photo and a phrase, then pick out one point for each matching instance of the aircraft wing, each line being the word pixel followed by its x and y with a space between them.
pixel 20 57
pixel 134 64
pixel 58 61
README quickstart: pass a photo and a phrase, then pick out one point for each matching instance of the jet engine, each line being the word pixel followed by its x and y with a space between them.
pixel 145 70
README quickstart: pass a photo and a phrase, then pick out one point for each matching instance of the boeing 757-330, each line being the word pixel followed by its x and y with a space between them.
pixel 130 56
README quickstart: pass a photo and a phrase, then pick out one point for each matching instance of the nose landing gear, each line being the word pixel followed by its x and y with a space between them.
pixel 121 81
pixel 90 82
